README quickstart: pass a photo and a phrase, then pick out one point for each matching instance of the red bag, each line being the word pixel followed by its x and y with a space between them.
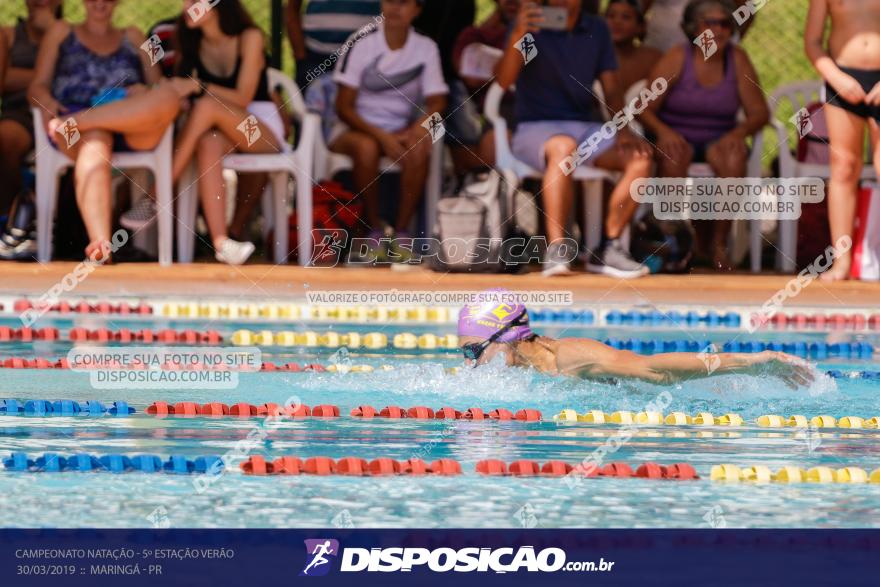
pixel 333 207
pixel 866 240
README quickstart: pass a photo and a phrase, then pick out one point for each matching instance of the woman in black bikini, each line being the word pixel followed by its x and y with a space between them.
pixel 851 69
pixel 222 52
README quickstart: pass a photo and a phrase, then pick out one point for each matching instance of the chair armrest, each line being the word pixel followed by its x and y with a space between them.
pixel 309 137
pixel 787 162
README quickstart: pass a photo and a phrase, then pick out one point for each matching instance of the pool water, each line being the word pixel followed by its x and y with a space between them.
pixel 469 500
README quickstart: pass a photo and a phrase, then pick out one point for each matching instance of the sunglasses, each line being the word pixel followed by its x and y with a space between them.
pixel 724 23
pixel 475 350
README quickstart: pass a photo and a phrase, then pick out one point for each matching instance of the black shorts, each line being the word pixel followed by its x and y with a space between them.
pixel 867 79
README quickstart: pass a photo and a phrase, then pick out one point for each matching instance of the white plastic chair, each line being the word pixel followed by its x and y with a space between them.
pixel 50 162
pixel 799 94
pixel 296 163
pixel 515 170
pixel 328 164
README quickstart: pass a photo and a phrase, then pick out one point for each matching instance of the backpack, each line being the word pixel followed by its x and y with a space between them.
pixel 333 207
pixel 472 225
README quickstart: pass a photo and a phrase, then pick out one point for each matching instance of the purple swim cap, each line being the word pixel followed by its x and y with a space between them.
pixel 483 319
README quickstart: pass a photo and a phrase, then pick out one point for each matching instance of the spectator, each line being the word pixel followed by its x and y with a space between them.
pixel 695 120
pixel 443 21
pixel 850 67
pixel 250 185
pixel 18 55
pixel 317 35
pixel 222 55
pixel 492 33
pixel 390 82
pixel 627 25
pixel 555 113
pixel 89 81
pixel 664 23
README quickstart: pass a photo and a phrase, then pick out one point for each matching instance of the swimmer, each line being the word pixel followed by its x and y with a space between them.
pixel 486 330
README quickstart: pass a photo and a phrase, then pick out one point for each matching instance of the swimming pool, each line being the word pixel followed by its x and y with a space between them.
pixel 72 499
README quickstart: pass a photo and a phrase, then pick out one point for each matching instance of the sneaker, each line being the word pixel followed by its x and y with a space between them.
pixel 141 215
pixel 369 256
pixel 17 245
pixel 614 260
pixel 233 252
pixel 555 261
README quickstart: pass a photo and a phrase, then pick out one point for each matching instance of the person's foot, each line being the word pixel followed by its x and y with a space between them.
pixel 720 259
pixel 839 271
pixel 233 252
pixel 614 260
pixel 141 215
pixel 368 254
pixel 556 262
pixel 98 252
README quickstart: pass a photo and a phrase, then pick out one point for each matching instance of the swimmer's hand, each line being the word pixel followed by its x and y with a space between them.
pixel 793 371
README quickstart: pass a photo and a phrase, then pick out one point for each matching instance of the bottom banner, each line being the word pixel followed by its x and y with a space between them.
pixel 436 557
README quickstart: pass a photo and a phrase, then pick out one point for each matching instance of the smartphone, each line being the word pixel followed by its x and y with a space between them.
pixel 555 18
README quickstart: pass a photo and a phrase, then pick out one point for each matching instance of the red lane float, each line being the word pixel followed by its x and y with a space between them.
pixel 528 468
pixel 349 466
pixel 240 410
pixel 445 413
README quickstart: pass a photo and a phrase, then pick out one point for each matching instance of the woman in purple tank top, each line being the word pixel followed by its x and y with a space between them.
pixel 90 82
pixel 696 120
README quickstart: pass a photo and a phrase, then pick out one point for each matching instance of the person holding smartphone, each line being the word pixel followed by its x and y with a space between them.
pixel 555 112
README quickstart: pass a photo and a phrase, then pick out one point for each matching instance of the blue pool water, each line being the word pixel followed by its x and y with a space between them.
pixel 234 500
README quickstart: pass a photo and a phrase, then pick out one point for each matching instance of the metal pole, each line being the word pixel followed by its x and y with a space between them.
pixel 277 32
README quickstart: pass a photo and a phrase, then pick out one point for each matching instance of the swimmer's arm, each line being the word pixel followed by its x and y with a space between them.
pixel 589 358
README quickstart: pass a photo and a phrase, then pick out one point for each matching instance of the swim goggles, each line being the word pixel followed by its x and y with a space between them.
pixel 473 351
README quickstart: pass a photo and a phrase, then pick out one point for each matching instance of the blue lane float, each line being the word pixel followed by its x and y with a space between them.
pixel 673 318
pixel 69 408
pixel 814 350
pixel 836 374
pixel 113 463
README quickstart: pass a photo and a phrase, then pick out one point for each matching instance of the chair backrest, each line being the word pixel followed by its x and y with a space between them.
pixel 278 79
pixel 798 94
pixel 504 159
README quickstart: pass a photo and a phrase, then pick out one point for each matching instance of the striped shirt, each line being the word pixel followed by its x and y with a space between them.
pixel 327 24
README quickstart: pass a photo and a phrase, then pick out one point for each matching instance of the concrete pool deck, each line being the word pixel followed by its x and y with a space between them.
pixel 258 282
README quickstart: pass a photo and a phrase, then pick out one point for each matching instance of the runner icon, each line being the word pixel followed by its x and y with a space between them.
pixel 318 553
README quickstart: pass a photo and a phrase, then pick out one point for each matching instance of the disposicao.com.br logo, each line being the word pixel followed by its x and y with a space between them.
pixel 443 560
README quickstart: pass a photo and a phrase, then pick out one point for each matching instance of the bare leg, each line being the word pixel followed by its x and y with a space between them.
pixel 92 176
pixel 250 191
pixel 364 152
pixel 486 151
pixel 634 165
pixel 846 132
pixel 142 118
pixel 15 142
pixel 557 189
pixel 729 163
pixel 212 147
pixel 208 113
pixel 413 175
